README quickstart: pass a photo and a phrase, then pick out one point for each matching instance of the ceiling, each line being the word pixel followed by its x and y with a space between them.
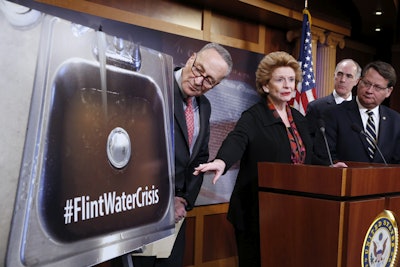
pixel 357 15
pixel 365 22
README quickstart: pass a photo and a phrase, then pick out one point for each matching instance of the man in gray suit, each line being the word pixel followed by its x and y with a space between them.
pixel 346 76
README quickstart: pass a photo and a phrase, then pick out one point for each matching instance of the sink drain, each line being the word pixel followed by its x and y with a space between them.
pixel 118 147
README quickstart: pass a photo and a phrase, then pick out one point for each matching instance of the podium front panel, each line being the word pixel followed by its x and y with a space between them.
pixel 320 216
pixel 298 231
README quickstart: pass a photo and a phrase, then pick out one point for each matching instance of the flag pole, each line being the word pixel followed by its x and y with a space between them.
pixel 305 90
pixel 305 11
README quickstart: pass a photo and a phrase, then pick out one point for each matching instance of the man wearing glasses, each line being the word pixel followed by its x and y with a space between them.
pixel 202 71
pixel 363 130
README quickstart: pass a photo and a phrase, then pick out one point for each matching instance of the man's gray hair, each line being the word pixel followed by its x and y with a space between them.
pixel 223 53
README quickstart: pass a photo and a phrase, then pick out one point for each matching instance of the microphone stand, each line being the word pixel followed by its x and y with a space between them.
pixel 376 145
pixel 356 128
pixel 322 129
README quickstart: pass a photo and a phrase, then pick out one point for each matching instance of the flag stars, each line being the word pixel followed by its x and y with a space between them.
pixel 306 89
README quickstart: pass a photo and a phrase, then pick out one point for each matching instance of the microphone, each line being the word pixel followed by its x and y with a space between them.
pixel 359 130
pixel 321 126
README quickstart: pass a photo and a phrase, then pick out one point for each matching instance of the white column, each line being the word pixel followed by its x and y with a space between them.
pixel 326 63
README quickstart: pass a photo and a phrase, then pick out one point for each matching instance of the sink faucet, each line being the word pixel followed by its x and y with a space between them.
pixel 121 53
pixel 136 57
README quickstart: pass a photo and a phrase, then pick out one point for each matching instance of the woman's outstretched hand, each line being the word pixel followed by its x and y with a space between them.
pixel 339 165
pixel 217 166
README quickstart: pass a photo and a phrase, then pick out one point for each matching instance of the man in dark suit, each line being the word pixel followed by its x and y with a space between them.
pixel 346 76
pixel 202 71
pixel 347 125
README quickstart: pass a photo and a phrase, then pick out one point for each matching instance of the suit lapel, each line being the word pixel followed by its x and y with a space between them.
pixel 354 114
pixel 331 100
pixel 384 128
pixel 179 112
pixel 203 126
pixel 355 118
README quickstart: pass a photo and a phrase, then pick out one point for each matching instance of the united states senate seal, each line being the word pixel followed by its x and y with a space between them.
pixel 380 248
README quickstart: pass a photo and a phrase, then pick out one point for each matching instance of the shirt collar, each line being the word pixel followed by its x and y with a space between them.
pixel 362 109
pixel 339 99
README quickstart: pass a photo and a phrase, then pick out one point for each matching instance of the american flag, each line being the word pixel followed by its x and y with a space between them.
pixel 305 92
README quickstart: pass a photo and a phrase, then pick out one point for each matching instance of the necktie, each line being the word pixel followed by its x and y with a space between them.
pixel 189 119
pixel 371 132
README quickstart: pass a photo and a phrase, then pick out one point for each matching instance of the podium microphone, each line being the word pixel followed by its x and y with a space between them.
pixel 321 126
pixel 359 130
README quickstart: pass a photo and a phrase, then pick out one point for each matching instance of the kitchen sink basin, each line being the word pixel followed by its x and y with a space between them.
pixel 96 177
pixel 78 167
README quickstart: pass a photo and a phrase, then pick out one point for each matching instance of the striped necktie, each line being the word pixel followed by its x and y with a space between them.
pixel 371 132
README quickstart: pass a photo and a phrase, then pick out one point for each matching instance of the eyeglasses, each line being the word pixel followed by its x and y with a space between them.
pixel 207 82
pixel 367 84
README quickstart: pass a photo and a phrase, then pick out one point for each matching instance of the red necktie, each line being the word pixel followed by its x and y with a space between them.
pixel 189 119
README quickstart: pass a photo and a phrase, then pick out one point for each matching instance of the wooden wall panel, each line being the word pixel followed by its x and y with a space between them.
pixel 161 10
pixel 235 28
pixel 275 40
pixel 233 32
pixel 211 237
pixel 218 238
pixel 154 14
pixel 190 241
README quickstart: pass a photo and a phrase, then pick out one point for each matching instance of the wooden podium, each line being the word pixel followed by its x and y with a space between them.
pixel 317 216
